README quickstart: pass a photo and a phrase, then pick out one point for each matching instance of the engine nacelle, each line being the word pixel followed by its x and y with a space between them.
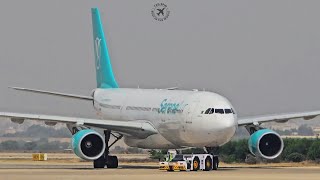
pixel 88 144
pixel 265 143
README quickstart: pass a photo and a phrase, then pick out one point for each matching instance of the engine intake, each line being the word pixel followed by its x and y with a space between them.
pixel 265 143
pixel 88 144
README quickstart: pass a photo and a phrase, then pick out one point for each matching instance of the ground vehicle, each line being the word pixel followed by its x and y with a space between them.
pixel 191 162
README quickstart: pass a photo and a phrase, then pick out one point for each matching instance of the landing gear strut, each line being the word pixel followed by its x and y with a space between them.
pixel 106 159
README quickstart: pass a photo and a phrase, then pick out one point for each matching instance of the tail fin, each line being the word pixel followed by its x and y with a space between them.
pixel 104 73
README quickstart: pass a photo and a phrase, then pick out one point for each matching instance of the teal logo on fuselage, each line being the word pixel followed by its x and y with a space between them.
pixel 169 107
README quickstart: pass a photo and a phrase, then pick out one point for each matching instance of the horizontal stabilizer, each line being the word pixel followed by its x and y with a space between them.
pixel 53 93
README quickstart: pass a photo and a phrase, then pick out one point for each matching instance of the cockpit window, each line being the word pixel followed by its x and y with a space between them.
pixel 207 111
pixel 219 111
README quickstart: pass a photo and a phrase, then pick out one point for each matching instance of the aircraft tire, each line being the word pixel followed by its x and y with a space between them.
pixel 99 163
pixel 112 162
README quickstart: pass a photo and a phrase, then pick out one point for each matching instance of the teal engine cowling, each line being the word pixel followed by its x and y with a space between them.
pixel 266 143
pixel 88 144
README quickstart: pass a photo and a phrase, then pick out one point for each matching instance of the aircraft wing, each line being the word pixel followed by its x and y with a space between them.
pixel 277 118
pixel 140 129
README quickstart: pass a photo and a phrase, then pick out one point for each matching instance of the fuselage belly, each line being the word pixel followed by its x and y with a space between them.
pixel 179 116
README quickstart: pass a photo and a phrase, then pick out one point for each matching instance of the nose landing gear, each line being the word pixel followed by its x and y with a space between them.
pixel 106 159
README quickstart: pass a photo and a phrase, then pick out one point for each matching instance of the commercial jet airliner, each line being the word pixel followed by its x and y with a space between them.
pixel 155 118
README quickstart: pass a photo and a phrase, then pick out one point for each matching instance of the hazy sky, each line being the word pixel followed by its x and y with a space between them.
pixel 264 56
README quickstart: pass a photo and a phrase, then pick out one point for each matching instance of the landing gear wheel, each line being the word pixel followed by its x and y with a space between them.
pixel 215 163
pixel 208 164
pixel 99 163
pixel 196 164
pixel 105 159
pixel 112 162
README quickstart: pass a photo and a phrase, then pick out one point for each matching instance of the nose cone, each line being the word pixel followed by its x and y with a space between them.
pixel 228 126
pixel 214 122
pixel 213 131
pixel 228 123
pixel 221 130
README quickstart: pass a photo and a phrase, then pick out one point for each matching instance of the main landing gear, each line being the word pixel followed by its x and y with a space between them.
pixel 106 159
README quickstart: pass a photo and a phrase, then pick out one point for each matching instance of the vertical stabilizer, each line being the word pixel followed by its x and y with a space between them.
pixel 104 73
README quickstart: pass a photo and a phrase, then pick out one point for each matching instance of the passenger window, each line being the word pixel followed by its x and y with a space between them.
pixel 207 111
pixel 219 111
pixel 212 111
pixel 228 111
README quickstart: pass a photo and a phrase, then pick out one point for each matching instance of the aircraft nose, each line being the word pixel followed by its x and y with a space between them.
pixel 224 123
pixel 212 131
pixel 224 127
pixel 229 122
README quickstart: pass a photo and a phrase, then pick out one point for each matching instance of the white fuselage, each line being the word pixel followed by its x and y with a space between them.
pixel 181 117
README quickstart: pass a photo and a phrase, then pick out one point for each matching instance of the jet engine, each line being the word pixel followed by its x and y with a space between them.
pixel 88 144
pixel 265 143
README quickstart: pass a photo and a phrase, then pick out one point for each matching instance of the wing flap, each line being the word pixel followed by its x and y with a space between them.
pixel 277 118
pixel 140 129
